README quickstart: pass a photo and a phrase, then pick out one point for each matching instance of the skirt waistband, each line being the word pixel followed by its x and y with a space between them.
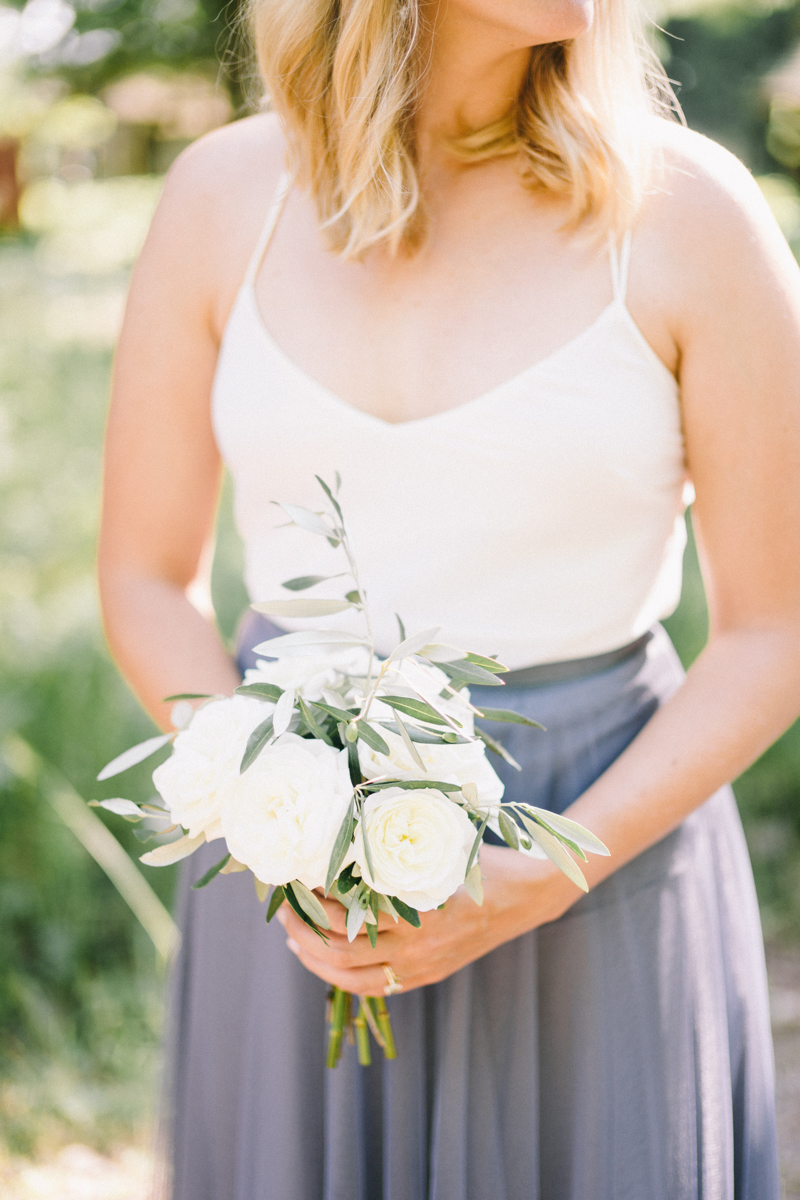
pixel 575 668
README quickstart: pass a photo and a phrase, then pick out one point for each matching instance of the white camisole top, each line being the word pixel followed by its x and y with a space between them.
pixel 540 521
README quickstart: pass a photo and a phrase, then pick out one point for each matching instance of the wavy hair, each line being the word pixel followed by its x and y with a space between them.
pixel 344 77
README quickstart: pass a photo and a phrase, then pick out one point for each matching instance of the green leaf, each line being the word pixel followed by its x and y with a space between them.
pixel 367 851
pixel 372 934
pixel 511 718
pixel 488 664
pixel 496 748
pixel 307 642
pixel 294 903
pixel 560 836
pixel 341 714
pixel 425 737
pixel 259 691
pixel 405 911
pixel 562 825
pixel 256 743
pixel 465 672
pixel 440 652
pixel 555 852
pixel 275 901
pixel 136 754
pixel 353 597
pixel 306 581
pixel 409 745
pixel 314 727
pixel 353 762
pixel 411 785
pixel 307 520
pixel 346 881
pixel 188 696
pixel 355 919
pixel 340 847
pixel 120 808
pixel 301 608
pixel 172 852
pixel 385 905
pixel 372 738
pixel 310 904
pixel 212 872
pixel 410 707
pixel 412 644
pixel 476 844
pixel 473 882
pixel 330 496
pixel 152 835
pixel 509 830
pixel 401 627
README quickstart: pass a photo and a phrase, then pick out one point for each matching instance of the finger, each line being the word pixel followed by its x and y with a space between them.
pixel 305 935
pixel 336 950
pixel 360 981
pixel 337 915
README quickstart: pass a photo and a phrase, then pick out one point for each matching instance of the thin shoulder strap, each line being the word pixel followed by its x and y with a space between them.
pixel 619 263
pixel 271 220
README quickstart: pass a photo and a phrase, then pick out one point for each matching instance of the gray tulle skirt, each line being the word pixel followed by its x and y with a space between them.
pixel 621 1053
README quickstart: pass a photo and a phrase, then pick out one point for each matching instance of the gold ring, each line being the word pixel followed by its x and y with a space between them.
pixel 393 984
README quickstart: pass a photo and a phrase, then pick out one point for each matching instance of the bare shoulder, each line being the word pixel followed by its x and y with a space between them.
pixel 706 225
pixel 694 172
pixel 227 166
pixel 215 199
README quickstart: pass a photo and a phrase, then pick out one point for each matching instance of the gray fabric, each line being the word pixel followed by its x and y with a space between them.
pixel 620 1053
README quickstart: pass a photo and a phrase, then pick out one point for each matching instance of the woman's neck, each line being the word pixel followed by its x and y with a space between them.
pixel 472 75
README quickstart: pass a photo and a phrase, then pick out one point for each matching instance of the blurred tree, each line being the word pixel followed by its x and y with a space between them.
pixel 113 38
pixel 718 59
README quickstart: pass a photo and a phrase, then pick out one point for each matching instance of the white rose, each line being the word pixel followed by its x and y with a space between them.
pixel 461 764
pixel 282 816
pixel 205 762
pixel 419 843
pixel 311 675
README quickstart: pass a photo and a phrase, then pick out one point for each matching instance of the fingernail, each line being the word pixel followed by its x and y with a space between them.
pixel 293 946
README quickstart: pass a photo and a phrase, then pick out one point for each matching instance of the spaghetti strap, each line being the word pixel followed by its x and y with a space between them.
pixel 271 220
pixel 619 263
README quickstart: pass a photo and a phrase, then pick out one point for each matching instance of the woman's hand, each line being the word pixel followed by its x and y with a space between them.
pixel 520 893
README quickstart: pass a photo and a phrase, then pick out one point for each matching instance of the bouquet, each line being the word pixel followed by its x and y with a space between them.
pixel 332 771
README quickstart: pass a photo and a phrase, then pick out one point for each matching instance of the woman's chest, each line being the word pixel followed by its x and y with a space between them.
pixel 595 429
pixel 406 337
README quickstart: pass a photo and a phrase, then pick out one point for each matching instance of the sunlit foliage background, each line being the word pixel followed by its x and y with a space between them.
pixel 95 101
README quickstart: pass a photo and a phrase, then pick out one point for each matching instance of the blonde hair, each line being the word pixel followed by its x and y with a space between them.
pixel 344 77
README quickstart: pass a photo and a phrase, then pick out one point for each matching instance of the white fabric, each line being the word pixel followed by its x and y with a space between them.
pixel 540 521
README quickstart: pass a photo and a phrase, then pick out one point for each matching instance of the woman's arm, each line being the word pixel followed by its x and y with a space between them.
pixel 162 467
pixel 732 301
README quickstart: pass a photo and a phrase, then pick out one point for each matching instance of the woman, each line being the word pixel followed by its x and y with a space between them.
pixel 478 300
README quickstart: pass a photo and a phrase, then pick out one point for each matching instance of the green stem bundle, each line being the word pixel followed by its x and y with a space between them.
pixel 372 1015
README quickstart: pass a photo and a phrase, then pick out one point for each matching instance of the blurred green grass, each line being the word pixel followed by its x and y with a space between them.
pixel 80 990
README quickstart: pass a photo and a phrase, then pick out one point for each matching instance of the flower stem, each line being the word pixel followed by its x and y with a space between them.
pixel 339 1013
pixel 362 1036
pixel 385 1026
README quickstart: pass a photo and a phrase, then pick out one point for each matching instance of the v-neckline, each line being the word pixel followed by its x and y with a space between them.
pixel 310 381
